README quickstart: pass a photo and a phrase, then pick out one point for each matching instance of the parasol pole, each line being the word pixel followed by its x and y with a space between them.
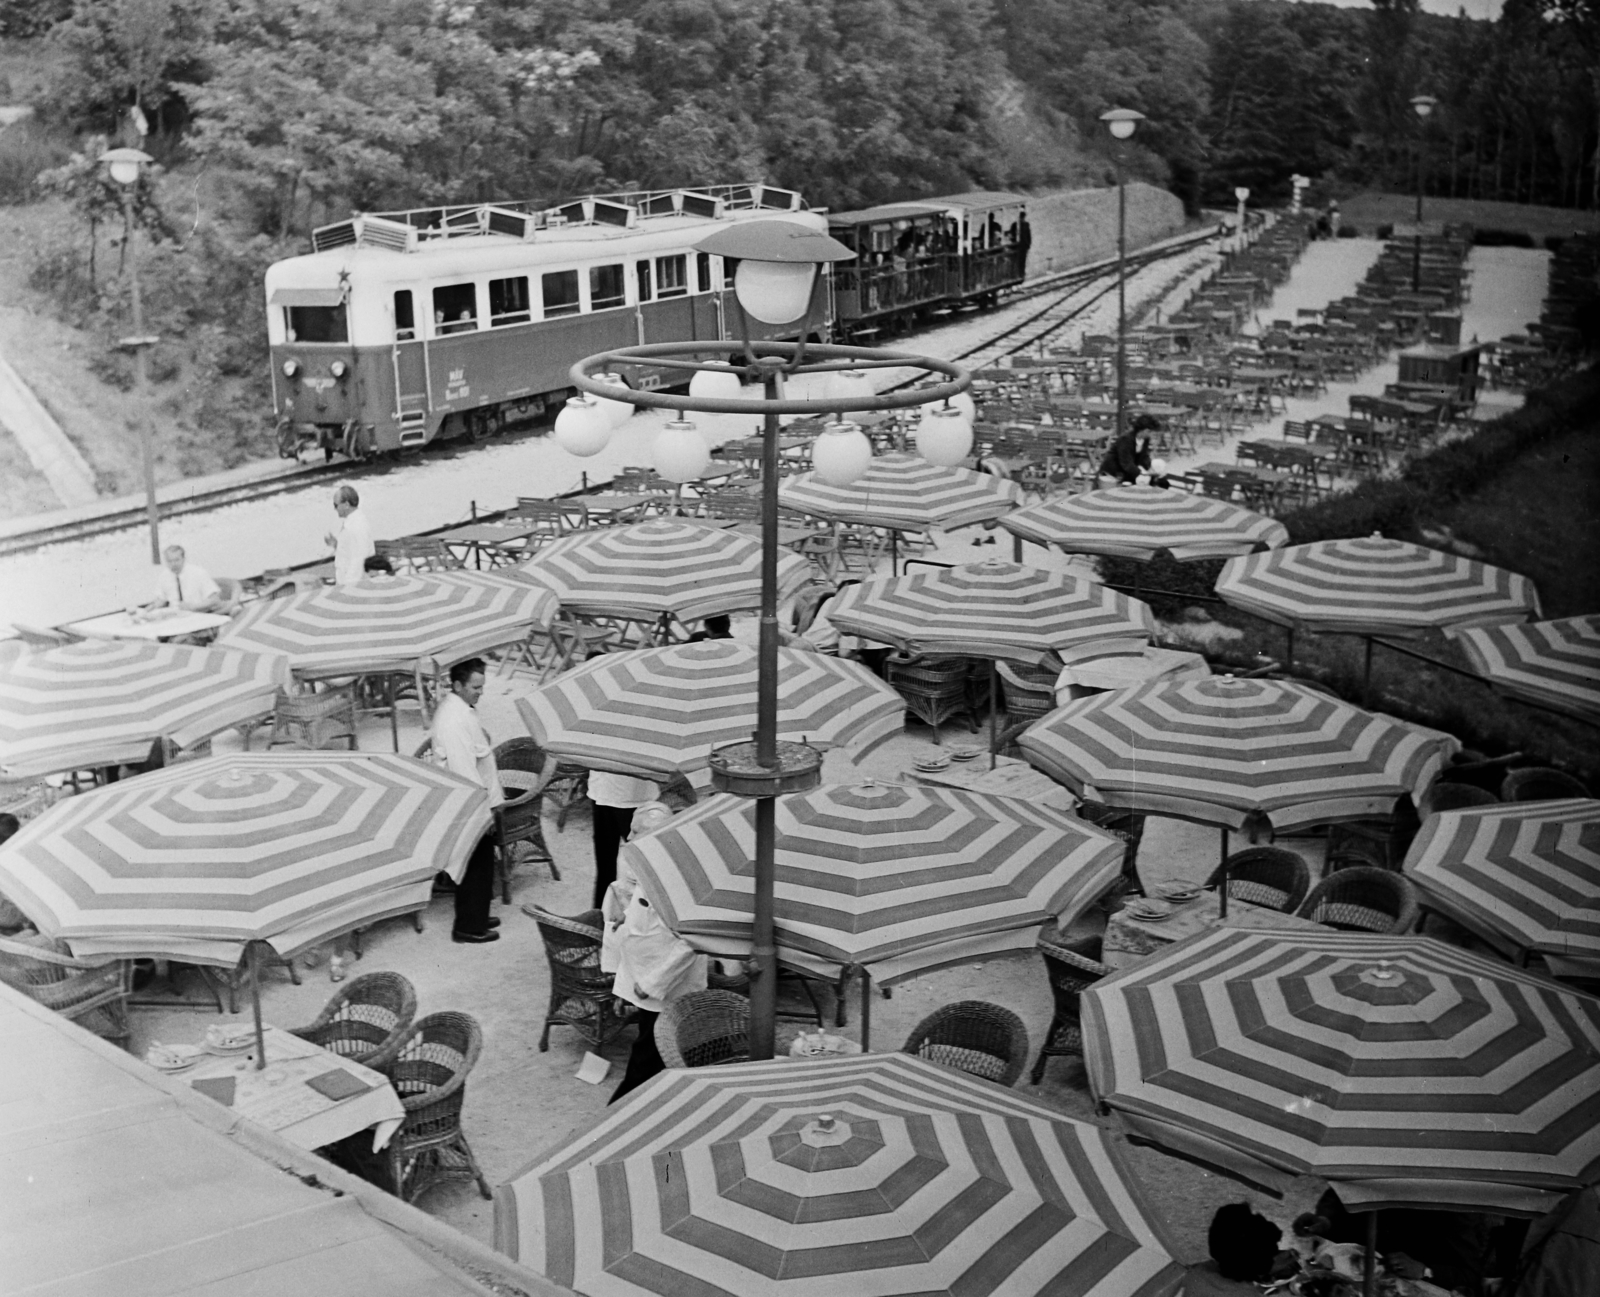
pixel 1369 1267
pixel 866 1008
pixel 1223 899
pixel 994 690
pixel 255 1004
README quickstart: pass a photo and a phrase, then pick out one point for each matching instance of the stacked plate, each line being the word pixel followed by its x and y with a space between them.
pixel 965 751
pixel 226 1040
pixel 172 1058
pixel 930 765
pixel 1176 893
pixel 1149 909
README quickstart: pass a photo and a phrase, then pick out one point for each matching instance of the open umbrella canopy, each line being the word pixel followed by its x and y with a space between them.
pixel 196 860
pixel 1221 751
pixel 1374 586
pixel 1525 875
pixel 993 609
pixel 1555 664
pixel 894 877
pixel 667 565
pixel 880 1175
pixel 654 713
pixel 103 702
pixel 396 623
pixel 1139 522
pixel 904 493
pixel 1405 1071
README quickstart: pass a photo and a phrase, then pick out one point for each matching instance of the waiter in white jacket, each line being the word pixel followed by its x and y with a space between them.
pixel 461 746
pixel 352 543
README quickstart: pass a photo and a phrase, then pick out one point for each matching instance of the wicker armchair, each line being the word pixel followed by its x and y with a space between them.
pixel 972 1036
pixel 1267 876
pixel 935 689
pixel 580 993
pixel 366 1021
pixel 95 993
pixel 524 772
pixel 317 721
pixel 1362 899
pixel 429 1073
pixel 1071 972
pixel 1540 784
pixel 1127 825
pixel 704 1029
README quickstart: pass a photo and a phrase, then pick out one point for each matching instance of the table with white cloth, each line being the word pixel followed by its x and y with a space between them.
pixel 1123 670
pixel 1009 778
pixel 160 624
pixel 280 1098
pixel 1129 939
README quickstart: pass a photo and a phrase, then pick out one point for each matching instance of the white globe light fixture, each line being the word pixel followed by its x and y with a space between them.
pixel 617 413
pixel 774 292
pixel 126 164
pixel 582 428
pixel 1122 122
pixel 717 384
pixel 840 454
pixel 1423 106
pixel 944 436
pixel 680 453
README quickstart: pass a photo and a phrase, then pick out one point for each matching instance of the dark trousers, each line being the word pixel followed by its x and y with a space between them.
pixel 611 825
pixel 476 889
pixel 644 1060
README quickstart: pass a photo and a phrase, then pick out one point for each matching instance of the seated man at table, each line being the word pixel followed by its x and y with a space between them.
pixel 186 585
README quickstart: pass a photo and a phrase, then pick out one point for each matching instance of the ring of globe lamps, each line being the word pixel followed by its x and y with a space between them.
pixel 680 453
pixel 944 437
pixel 582 428
pixel 840 454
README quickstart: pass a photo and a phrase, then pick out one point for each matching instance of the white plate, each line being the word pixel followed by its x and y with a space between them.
pixel 1148 912
pixel 223 1051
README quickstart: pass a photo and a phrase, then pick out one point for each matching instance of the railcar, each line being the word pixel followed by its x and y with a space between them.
pixel 403 327
pixel 928 257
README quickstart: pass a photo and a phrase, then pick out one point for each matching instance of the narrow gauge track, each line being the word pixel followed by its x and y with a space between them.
pixel 1061 289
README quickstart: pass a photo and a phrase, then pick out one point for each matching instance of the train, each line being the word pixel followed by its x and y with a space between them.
pixel 401 328
pixel 919 260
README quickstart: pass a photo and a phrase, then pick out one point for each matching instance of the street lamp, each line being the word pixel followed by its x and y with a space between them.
pixel 1242 196
pixel 777 281
pixel 1122 122
pixel 1423 106
pixel 126 166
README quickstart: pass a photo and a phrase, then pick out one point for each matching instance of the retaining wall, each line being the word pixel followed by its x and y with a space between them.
pixel 1080 225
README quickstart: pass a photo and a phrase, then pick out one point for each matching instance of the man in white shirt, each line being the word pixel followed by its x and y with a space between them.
pixel 186 585
pixel 615 798
pixel 461 746
pixel 352 543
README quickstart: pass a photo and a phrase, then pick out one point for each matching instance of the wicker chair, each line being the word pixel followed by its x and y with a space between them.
pixel 318 721
pixel 1028 692
pixel 1267 876
pixel 704 1029
pixel 1127 825
pixel 580 993
pixel 973 1036
pixel 524 771
pixel 935 689
pixel 1071 972
pixel 366 1021
pixel 429 1073
pixel 1540 784
pixel 95 993
pixel 418 554
pixel 1362 899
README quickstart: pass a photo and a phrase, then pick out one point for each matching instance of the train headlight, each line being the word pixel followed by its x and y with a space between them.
pixel 338 369
pixel 291 368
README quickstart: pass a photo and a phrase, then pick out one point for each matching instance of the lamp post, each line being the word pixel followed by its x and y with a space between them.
pixel 1241 196
pixel 1423 106
pixel 1122 122
pixel 126 165
pixel 777 281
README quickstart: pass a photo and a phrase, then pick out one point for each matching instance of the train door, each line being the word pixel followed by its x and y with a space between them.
pixel 411 377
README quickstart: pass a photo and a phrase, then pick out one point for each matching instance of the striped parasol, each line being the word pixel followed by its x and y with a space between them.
pixel 904 493
pixel 1374 586
pixel 1555 664
pixel 993 609
pixel 193 861
pixel 1222 751
pixel 881 1174
pixel 1403 1070
pixel 1138 522
pixel 658 712
pixel 665 566
pixel 398 623
pixel 899 878
pixel 104 701
pixel 1525 875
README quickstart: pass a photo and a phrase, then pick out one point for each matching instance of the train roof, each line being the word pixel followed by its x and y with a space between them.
pixel 982 199
pixel 885 212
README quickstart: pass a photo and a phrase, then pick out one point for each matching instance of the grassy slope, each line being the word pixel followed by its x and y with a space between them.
pixel 1366 211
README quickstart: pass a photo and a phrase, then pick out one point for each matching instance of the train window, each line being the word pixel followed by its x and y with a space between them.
pixel 405 320
pixel 317 324
pixel 508 301
pixel 606 287
pixel 560 289
pixel 672 277
pixel 455 308
pixel 642 269
pixel 702 272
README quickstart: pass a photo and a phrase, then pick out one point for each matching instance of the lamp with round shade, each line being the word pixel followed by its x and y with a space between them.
pixel 944 436
pixel 778 263
pixel 582 428
pixel 840 454
pixel 616 413
pixel 680 453
pixel 774 292
pixel 125 164
pixel 1423 106
pixel 1122 122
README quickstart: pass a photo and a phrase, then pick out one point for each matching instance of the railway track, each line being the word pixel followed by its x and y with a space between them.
pixel 1061 309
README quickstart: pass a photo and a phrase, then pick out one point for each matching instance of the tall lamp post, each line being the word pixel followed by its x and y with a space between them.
pixel 1241 196
pixel 1423 106
pixel 777 281
pixel 1122 122
pixel 126 165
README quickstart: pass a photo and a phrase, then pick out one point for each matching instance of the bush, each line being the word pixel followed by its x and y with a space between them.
pixel 1349 232
pixel 1503 239
pixel 27 148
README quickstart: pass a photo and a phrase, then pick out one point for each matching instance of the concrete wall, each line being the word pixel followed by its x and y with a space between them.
pixel 1080 225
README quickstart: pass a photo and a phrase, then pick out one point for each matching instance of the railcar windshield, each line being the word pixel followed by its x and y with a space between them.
pixel 317 323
